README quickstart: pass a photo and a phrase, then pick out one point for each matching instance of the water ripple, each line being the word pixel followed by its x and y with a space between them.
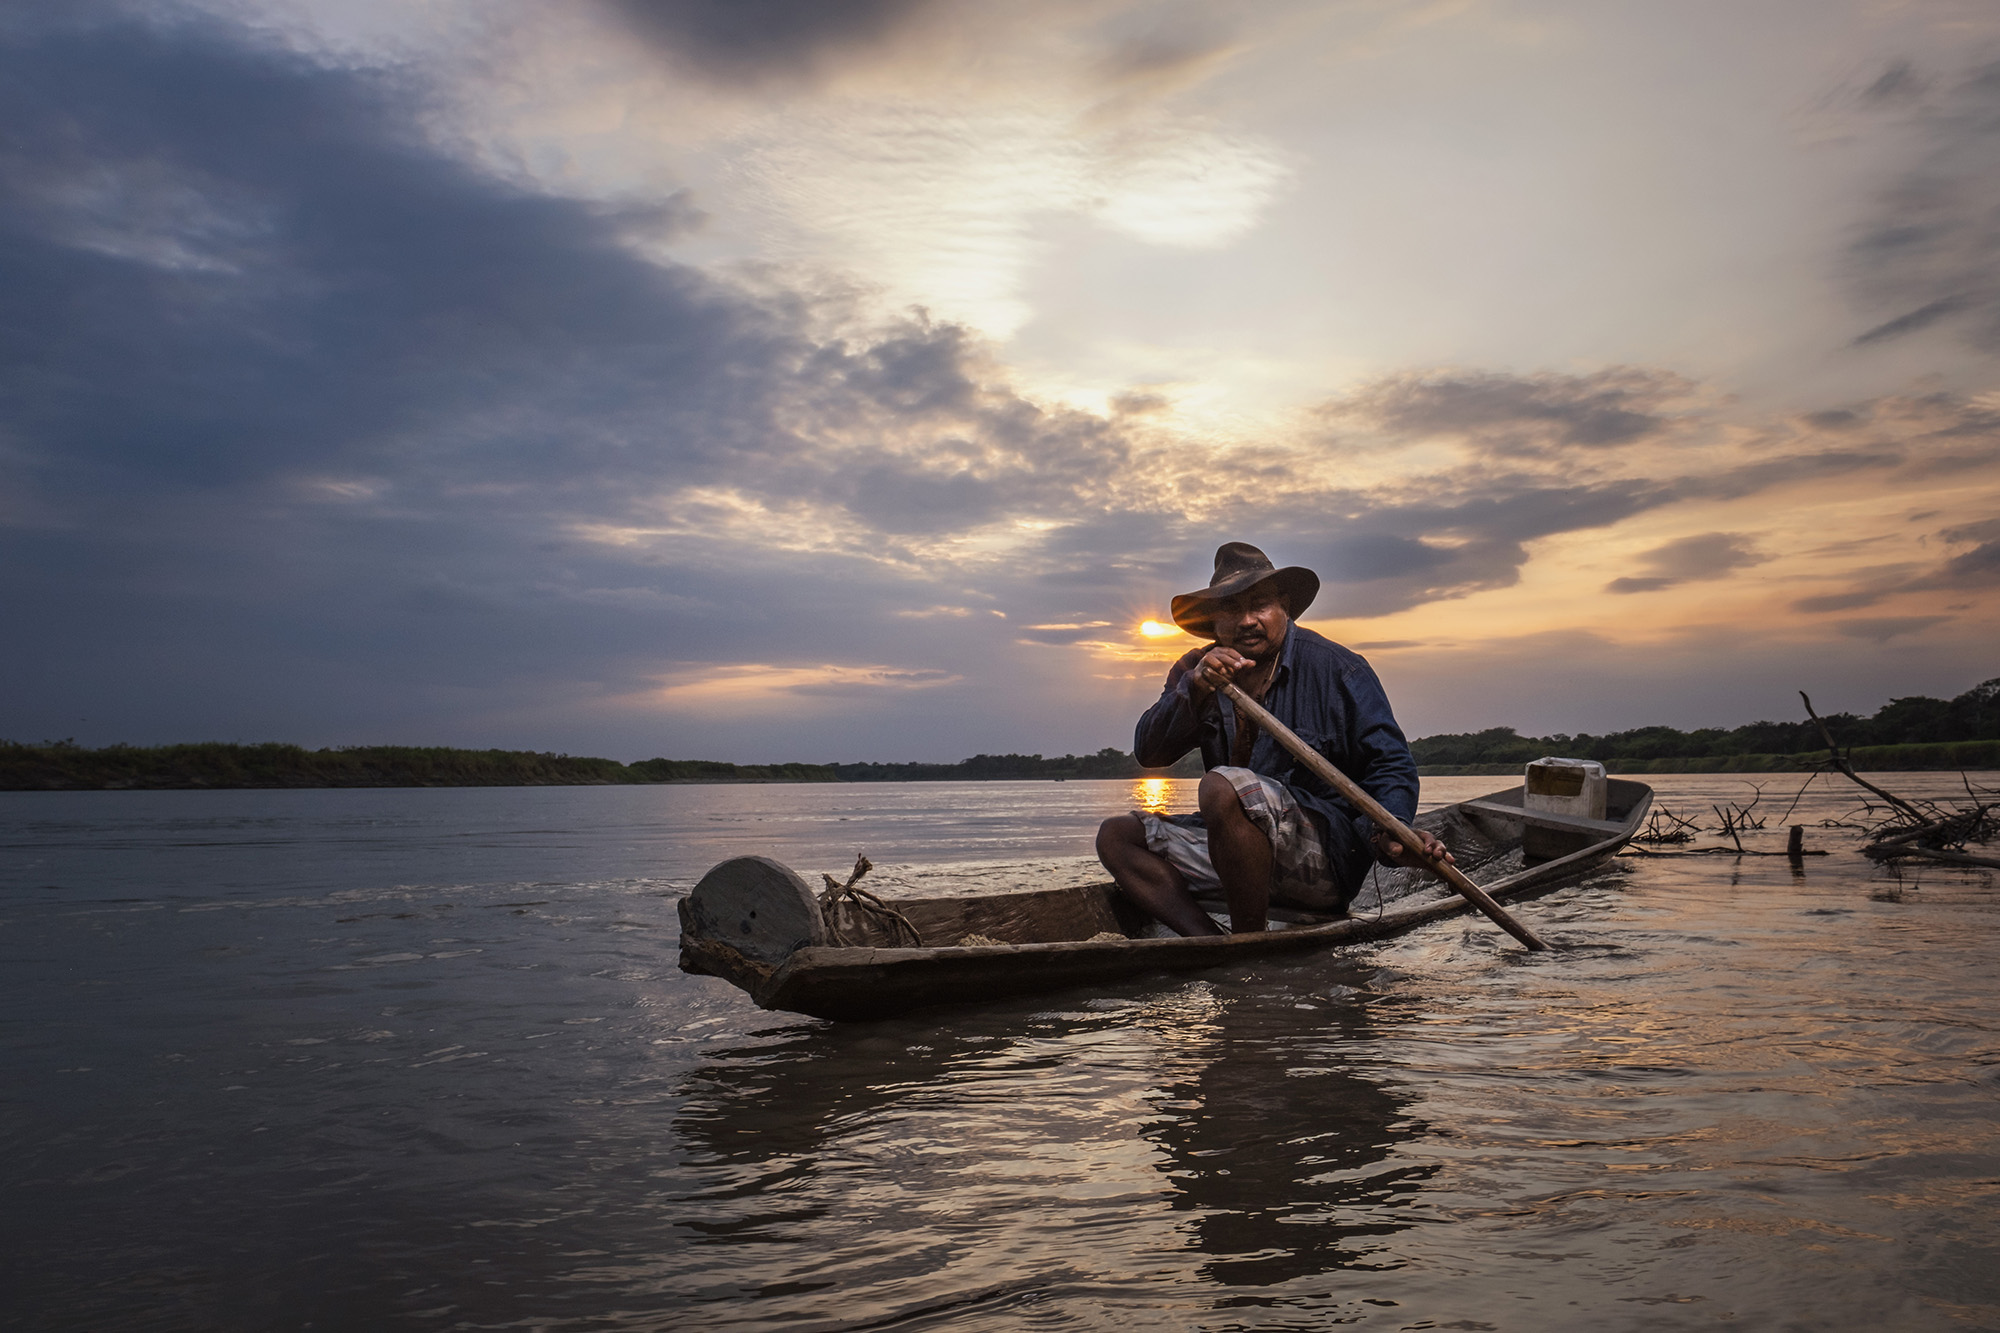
pixel 424 1060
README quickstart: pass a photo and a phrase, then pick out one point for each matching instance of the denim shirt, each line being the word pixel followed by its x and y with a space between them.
pixel 1328 695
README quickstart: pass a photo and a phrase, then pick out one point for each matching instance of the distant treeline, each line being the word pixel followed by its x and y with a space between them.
pixel 64 766
pixel 1106 763
pixel 1910 733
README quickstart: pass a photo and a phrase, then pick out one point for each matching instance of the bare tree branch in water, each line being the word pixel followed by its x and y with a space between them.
pixel 1663 825
pixel 1840 762
pixel 1935 832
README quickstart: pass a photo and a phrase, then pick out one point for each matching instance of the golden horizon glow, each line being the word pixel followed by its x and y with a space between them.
pixel 1153 629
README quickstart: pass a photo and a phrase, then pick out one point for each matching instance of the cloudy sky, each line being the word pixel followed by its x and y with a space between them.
pixel 853 379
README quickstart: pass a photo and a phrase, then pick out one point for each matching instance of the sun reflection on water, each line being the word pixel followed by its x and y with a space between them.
pixel 1150 795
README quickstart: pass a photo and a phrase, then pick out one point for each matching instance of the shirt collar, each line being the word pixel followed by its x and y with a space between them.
pixel 1285 653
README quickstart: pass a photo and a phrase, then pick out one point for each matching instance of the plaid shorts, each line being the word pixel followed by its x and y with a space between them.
pixel 1300 876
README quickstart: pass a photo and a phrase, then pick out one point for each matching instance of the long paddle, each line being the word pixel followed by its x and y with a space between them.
pixel 1371 807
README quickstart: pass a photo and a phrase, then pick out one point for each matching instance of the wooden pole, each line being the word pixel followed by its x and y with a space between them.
pixel 1371 807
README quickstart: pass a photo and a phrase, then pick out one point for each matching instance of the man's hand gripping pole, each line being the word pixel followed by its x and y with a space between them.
pixel 1371 807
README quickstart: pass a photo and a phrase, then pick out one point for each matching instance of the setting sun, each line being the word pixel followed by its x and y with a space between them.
pixel 1153 629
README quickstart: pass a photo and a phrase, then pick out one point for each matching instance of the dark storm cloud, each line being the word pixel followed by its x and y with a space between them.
pixel 1898 83
pixel 223 267
pixel 1708 555
pixel 1471 529
pixel 227 267
pixel 1977 568
pixel 1839 601
pixel 1469 535
pixel 1885 628
pixel 1103 559
pixel 1744 479
pixel 1512 414
pixel 1379 553
pixel 1523 508
pixel 1930 255
pixel 1921 318
pixel 754 40
pixel 1985 530
pixel 1158 44
pixel 1365 558
pixel 1974 570
pixel 1915 435
pixel 293 402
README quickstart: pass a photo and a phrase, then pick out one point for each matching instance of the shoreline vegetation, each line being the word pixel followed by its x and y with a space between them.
pixel 1905 735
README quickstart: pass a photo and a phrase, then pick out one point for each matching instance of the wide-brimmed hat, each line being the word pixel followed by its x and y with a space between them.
pixel 1240 567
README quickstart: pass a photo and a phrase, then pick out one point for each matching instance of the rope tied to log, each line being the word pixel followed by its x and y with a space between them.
pixel 863 900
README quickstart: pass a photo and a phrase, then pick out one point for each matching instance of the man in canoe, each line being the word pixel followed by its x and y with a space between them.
pixel 1269 831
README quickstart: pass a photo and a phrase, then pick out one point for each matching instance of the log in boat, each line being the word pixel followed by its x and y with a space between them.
pixel 756 924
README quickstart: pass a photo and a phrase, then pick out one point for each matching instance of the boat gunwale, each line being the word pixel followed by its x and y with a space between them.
pixel 821 962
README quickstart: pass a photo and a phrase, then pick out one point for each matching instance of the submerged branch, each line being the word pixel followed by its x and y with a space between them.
pixel 1840 762
pixel 1929 854
pixel 1936 834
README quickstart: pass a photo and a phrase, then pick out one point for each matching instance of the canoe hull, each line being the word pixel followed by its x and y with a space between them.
pixel 875 980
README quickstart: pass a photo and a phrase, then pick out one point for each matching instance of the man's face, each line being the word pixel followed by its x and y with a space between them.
pixel 1253 623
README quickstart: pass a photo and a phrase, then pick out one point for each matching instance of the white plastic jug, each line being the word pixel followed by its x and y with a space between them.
pixel 1565 787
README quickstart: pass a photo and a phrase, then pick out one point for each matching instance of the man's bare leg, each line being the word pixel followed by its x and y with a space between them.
pixel 1240 852
pixel 1149 879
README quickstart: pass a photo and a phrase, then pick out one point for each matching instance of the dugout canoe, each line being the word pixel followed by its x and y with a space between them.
pixel 756 924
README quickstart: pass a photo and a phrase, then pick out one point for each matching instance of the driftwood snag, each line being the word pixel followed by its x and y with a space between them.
pixel 1839 761
pixel 1933 834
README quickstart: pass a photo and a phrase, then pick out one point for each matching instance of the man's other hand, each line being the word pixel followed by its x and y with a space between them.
pixel 1396 853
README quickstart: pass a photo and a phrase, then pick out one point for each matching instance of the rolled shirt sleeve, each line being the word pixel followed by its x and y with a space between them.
pixel 1173 725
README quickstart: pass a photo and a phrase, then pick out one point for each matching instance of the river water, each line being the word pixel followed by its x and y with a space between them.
pixel 423 1060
